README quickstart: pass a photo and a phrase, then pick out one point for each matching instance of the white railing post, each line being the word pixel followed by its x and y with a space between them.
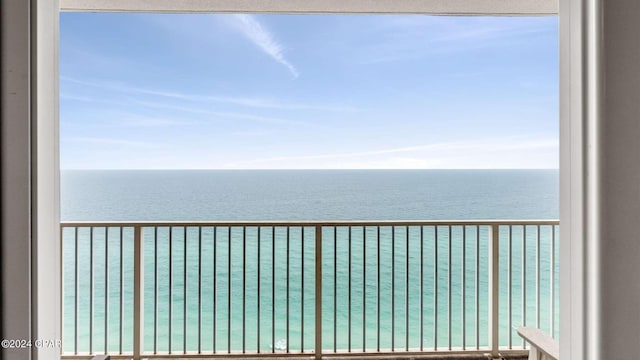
pixel 138 293
pixel 494 291
pixel 318 294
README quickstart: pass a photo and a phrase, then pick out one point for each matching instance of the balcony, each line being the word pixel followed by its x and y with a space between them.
pixel 306 289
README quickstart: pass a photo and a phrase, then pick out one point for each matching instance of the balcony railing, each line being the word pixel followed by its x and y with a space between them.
pixel 170 289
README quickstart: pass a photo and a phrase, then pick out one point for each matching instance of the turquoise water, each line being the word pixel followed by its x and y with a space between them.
pixel 308 195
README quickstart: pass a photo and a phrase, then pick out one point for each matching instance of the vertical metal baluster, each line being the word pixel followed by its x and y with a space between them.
pixel 494 290
pixel 229 291
pixel 106 291
pixel 215 286
pixel 259 244
pixel 364 289
pixel 184 289
pixel 349 294
pixel 155 290
pixel 244 288
pixel 302 289
pixel 464 287
pixel 287 288
pixel 449 290
pixel 273 289
pixel 406 291
pixel 538 277
pixel 75 298
pixel 553 279
pixel 393 287
pixel 509 285
pixel 138 293
pixel 91 292
pixel 378 288
pixel 524 276
pixel 120 294
pixel 435 288
pixel 199 289
pixel 335 287
pixel 477 287
pixel 421 288
pixel 318 289
pixel 170 286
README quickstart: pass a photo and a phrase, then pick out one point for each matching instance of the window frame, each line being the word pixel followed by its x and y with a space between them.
pixel 579 85
pixel 437 7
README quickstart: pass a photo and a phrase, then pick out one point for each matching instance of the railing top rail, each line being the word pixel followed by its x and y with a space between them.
pixel 310 223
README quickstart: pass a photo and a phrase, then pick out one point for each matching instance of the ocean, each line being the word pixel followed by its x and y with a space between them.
pixel 245 195
pixel 309 194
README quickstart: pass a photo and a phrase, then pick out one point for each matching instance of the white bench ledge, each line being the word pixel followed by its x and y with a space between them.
pixel 101 357
pixel 541 341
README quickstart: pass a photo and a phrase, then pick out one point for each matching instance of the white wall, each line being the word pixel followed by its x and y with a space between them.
pixel 14 163
pixel 620 181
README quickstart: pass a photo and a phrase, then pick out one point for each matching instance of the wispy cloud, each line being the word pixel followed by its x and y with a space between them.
pixel 219 115
pixel 91 99
pixel 417 37
pixel 77 98
pixel 252 102
pixel 108 141
pixel 132 119
pixel 420 156
pixel 135 120
pixel 250 27
pixel 248 101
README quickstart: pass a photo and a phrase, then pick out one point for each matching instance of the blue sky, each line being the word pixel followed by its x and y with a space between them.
pixel 160 91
